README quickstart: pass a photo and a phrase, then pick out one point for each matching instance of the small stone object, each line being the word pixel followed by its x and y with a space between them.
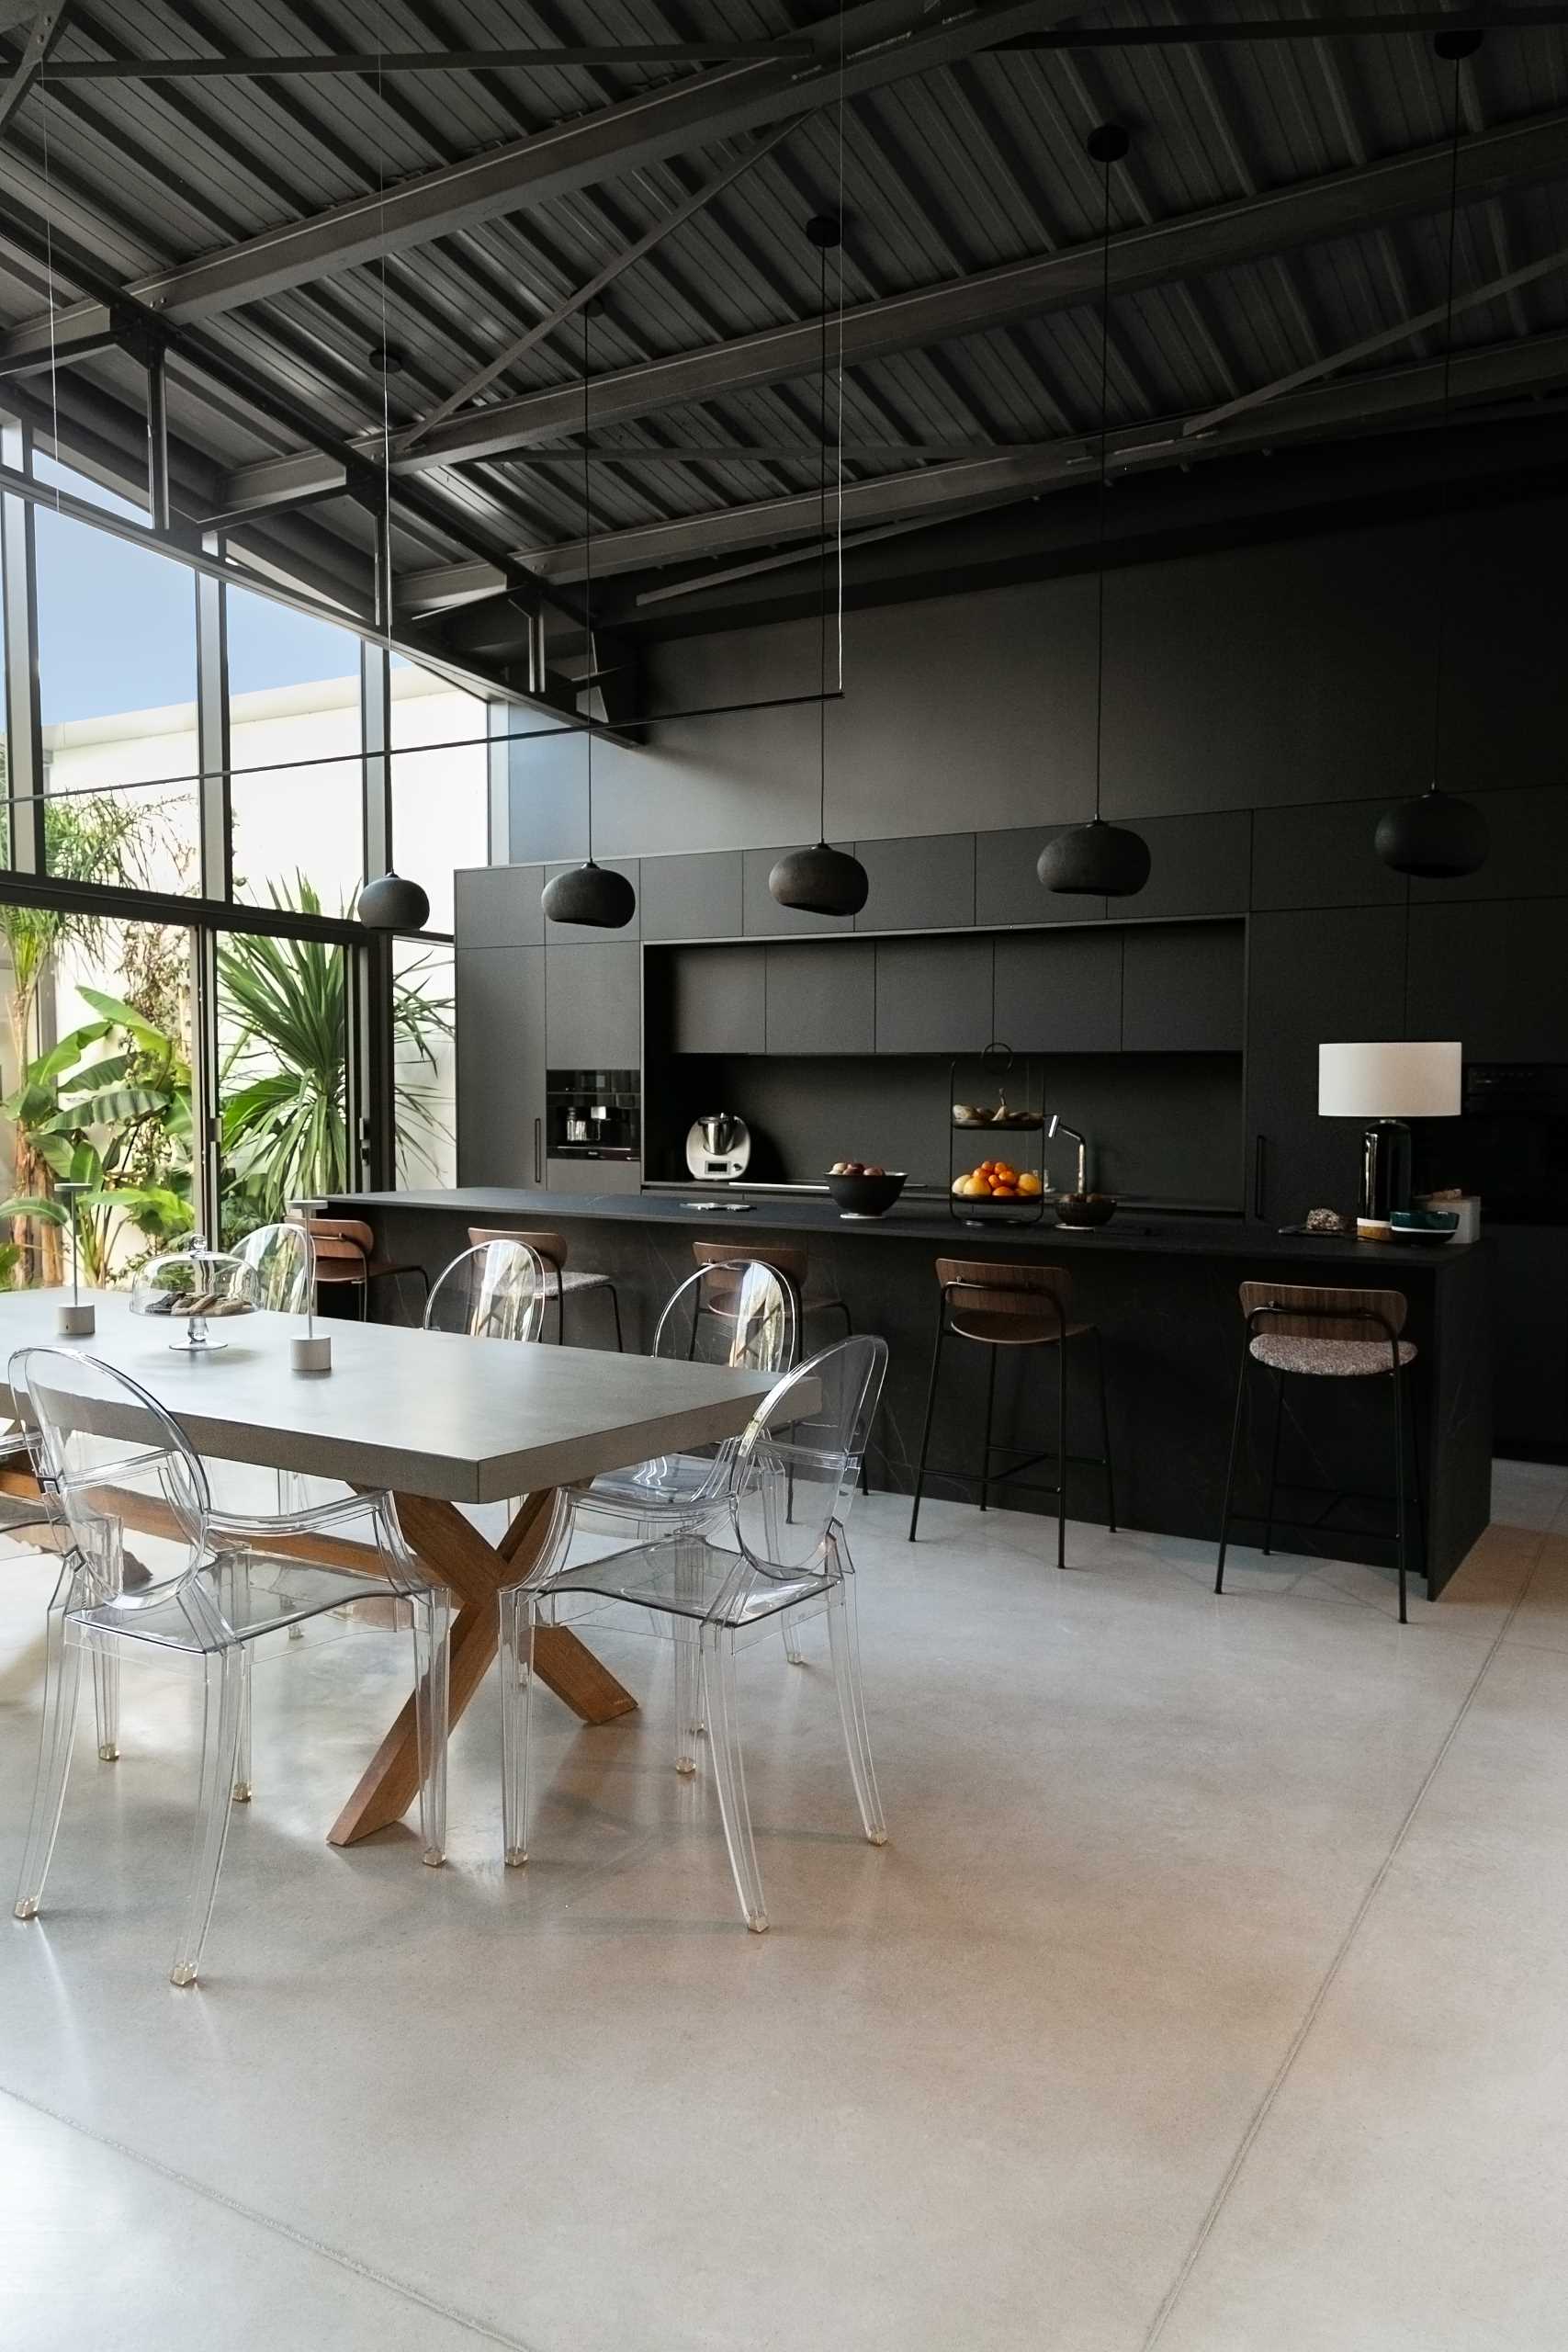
pixel 1326 1221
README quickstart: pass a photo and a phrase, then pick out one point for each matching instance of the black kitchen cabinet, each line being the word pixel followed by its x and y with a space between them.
pixel 498 905
pixel 1490 974
pixel 821 1000
pixel 500 1064
pixel 933 996
pixel 693 897
pixel 593 1000
pixel 760 914
pixel 718 999
pixel 1059 991
pixel 1198 866
pixel 1008 889
pixel 589 934
pixel 1527 853
pixel 1321 854
pixel 925 882
pixel 1311 976
pixel 1530 1381
pixel 1183 987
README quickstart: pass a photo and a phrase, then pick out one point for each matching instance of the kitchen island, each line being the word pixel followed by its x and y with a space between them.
pixel 1163 1290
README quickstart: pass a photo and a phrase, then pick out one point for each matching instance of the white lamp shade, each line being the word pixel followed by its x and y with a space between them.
pixel 1417 1079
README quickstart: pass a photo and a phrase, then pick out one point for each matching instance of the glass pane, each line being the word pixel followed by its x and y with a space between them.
pixel 95 1059
pixel 440 797
pixel 282 1042
pixel 424 1064
pixel 117 684
pixel 293 707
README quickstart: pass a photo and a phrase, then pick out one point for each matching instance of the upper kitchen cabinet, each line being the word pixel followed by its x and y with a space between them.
pixel 1183 987
pixel 821 1000
pixel 1059 991
pixel 693 897
pixel 1321 854
pixel 498 905
pixel 761 916
pixel 593 1005
pixel 933 996
pixel 925 883
pixel 500 1064
pixel 718 999
pixel 1490 974
pixel 1527 855
pixel 590 934
pixel 1198 866
pixel 1008 889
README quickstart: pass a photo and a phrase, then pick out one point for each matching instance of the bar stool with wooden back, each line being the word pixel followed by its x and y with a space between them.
pixel 564 1281
pixel 346 1258
pixel 1001 1306
pixel 1300 1330
pixel 792 1267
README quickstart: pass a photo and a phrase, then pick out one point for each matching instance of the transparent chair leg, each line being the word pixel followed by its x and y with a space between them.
pixel 730 1771
pixel 688 1693
pixel 432 1658
pixel 845 1647
pixel 516 1710
pixel 106 1706
pixel 219 1744
pixel 236 1578
pixel 62 1682
pixel 774 1499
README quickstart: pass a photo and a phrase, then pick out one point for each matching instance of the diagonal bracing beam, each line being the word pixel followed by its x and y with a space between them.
pixel 47 25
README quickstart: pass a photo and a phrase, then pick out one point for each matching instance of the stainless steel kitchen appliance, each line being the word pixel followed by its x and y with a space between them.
pixel 718 1147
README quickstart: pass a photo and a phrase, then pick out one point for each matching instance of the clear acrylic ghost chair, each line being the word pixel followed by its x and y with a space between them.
pixel 283 1260
pixel 493 1292
pixel 146 1567
pixel 711 1588
pixel 37 1517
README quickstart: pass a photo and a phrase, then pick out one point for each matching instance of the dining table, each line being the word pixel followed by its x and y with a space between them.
pixel 444 1422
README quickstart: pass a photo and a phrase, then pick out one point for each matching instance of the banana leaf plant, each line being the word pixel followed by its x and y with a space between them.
pixel 109 1108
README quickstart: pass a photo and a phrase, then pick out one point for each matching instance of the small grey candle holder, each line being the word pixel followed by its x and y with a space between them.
pixel 78 1320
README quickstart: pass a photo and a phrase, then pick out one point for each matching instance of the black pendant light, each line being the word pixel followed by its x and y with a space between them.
pixel 1098 860
pixel 392 903
pixel 589 893
pixel 823 880
pixel 1437 835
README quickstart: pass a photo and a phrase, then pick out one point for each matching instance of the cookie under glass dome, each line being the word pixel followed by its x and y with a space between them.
pixel 192 1288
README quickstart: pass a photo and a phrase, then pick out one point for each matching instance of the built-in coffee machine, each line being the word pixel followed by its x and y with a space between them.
pixel 592 1113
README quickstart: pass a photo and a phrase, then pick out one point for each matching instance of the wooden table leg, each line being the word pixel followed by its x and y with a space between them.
pixel 456 1553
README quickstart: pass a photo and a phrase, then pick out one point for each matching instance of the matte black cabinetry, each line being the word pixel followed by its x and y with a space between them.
pixel 924 883
pixel 498 905
pixel 1059 991
pixel 718 1000
pixel 500 1064
pixel 593 997
pixel 693 897
pixel 821 1000
pixel 1183 989
pixel 1491 973
pixel 933 996
pixel 1530 1337
pixel 1330 973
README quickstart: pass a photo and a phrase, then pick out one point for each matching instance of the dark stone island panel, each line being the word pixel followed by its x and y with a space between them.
pixel 1163 1293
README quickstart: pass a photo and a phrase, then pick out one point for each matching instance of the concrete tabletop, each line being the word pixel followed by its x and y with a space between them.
pixel 427 1412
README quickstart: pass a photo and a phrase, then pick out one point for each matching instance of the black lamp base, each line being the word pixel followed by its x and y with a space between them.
pixel 1385 1177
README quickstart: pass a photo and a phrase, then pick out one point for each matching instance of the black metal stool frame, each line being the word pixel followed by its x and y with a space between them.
pixel 1260 1315
pixel 987 1477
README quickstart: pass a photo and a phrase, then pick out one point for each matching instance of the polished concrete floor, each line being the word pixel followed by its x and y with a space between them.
pixel 1210 1995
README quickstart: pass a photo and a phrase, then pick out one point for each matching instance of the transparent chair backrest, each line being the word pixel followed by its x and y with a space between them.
pixel 496 1292
pixel 133 1492
pixel 283 1259
pixel 797 1463
pixel 740 1315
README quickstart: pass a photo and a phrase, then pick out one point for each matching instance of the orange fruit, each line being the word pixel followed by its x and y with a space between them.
pixel 1029 1182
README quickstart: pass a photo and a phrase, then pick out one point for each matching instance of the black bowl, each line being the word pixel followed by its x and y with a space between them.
pixel 867 1195
pixel 1078 1211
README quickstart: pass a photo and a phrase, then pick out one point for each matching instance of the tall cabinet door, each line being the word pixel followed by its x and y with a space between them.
pixel 1314 975
pixel 501 1066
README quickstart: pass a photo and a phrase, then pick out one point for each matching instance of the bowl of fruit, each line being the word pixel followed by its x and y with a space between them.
pixel 865 1189
pixel 999 1184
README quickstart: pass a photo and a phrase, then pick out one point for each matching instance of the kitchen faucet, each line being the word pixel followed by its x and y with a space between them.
pixel 1059 1126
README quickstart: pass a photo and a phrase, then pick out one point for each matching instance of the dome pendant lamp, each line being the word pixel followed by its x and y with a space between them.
pixel 1098 860
pixel 589 893
pixel 1438 836
pixel 823 880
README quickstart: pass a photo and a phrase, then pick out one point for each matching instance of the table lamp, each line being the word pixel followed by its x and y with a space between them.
pixel 1415 1078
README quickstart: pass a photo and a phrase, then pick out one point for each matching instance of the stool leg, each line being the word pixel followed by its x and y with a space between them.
pixel 930 1408
pixel 1061 1454
pixel 1230 1473
pixel 1105 1430
pixel 1273 1461
pixel 1425 1565
pixel 1399 1527
pixel 560 1310
pixel 615 1310
pixel 990 1410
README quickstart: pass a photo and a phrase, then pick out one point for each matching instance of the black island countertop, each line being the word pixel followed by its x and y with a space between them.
pixel 1162 1290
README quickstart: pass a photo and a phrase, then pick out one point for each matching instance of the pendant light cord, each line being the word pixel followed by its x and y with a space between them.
pixel 588 575
pixel 822 561
pixel 1099 540
pixel 1445 520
